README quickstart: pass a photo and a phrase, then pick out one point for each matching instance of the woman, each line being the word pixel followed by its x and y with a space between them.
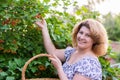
pixel 90 40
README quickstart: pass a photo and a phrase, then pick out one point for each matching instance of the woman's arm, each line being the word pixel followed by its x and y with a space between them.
pixel 58 65
pixel 50 48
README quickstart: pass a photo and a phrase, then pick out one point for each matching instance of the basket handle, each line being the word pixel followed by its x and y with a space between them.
pixel 28 62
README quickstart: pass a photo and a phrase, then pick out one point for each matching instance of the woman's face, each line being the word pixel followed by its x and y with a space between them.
pixel 84 40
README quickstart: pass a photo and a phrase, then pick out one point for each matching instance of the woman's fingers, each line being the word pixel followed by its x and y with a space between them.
pixel 55 59
pixel 52 60
pixel 38 23
pixel 41 23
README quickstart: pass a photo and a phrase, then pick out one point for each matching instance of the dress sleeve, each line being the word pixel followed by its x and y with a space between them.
pixel 68 52
pixel 90 68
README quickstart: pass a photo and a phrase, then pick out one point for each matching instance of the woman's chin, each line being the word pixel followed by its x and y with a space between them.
pixel 81 46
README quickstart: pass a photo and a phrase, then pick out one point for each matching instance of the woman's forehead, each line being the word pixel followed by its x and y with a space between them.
pixel 85 29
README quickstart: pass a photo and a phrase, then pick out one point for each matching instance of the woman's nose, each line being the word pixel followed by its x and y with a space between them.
pixel 82 36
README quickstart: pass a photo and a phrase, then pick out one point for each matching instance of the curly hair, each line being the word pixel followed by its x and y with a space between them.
pixel 98 34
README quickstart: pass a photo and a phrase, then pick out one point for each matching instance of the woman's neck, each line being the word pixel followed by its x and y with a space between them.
pixel 85 52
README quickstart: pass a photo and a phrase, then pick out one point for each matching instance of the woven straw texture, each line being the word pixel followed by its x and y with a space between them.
pixel 28 62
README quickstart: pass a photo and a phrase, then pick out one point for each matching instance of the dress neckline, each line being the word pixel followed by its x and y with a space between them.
pixel 71 64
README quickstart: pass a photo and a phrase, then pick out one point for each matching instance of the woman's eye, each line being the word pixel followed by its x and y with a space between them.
pixel 80 32
pixel 87 35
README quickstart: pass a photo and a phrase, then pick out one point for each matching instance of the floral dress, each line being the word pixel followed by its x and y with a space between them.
pixel 89 67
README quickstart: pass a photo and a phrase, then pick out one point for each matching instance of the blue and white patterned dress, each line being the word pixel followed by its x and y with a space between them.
pixel 88 66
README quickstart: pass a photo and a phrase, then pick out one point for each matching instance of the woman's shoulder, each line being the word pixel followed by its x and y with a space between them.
pixel 91 60
pixel 68 51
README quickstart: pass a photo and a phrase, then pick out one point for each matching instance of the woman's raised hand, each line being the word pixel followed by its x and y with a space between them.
pixel 42 24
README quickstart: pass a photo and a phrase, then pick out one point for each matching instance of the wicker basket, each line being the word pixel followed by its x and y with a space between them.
pixel 26 64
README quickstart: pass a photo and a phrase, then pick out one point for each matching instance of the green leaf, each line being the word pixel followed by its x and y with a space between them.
pixel 10 78
pixel 47 63
pixel 19 62
pixel 34 69
pixel 4 27
pixel 3 74
pixel 46 1
pixel 36 62
pixel 2 58
pixel 12 65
